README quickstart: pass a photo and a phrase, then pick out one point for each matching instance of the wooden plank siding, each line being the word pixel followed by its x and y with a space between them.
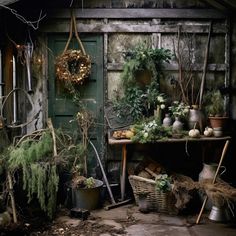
pixel 174 67
pixel 153 23
pixel 97 27
pixel 141 13
pixel 141 21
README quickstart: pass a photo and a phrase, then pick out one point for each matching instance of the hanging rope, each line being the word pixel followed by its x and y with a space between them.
pixel 73 65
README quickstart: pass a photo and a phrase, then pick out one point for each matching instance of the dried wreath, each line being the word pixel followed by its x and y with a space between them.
pixel 73 65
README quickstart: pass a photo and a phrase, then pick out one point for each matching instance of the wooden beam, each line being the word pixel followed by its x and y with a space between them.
pixel 99 27
pixel 174 67
pixel 139 13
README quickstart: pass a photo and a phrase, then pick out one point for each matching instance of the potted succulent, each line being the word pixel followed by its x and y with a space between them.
pixel 215 109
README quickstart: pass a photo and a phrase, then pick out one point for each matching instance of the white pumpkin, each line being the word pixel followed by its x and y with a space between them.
pixel 194 133
pixel 208 132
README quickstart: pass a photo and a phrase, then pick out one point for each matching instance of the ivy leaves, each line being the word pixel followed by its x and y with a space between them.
pixel 141 73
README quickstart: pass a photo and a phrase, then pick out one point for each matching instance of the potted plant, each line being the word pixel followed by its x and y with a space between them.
pixel 85 189
pixel 179 110
pixel 215 109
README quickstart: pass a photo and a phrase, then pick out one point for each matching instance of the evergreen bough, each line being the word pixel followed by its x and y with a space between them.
pixel 40 177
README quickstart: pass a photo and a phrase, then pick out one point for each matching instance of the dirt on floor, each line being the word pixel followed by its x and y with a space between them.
pixel 66 225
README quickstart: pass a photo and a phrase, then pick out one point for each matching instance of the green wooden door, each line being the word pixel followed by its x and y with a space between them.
pixel 61 108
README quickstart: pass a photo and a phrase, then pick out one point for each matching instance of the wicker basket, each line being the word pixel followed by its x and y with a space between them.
pixel 163 202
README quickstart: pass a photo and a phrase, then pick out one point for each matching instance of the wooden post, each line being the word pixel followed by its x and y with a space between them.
pixel 123 174
pixel 13 205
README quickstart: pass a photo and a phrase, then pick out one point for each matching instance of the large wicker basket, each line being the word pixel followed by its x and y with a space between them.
pixel 163 202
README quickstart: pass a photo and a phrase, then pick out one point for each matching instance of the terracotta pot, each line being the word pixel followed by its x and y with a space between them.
pixel 216 122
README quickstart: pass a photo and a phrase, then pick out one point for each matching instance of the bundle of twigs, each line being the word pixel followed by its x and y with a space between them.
pixel 85 120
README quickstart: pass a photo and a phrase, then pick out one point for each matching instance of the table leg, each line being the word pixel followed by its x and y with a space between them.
pixel 123 173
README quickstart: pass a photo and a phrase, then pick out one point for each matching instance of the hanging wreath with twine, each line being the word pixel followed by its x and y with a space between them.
pixel 73 65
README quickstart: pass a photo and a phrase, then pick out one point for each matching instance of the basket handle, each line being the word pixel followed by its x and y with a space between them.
pixel 74 27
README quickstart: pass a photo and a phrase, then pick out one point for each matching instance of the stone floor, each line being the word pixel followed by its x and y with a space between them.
pixel 128 220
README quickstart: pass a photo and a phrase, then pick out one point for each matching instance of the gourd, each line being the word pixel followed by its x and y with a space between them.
pixel 129 134
pixel 208 132
pixel 194 133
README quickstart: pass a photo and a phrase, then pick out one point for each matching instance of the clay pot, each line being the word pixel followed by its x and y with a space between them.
pixel 177 125
pixel 219 122
pixel 167 121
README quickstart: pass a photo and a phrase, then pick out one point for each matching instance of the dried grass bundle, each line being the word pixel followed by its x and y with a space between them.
pixel 219 193
pixel 183 187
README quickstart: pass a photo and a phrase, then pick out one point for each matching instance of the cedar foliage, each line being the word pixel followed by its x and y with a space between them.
pixel 40 177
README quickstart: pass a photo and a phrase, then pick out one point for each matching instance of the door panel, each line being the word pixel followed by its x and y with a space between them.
pixel 61 107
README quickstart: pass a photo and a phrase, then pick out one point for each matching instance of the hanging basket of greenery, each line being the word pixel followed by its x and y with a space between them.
pixel 142 71
pixel 73 65
pixel 143 65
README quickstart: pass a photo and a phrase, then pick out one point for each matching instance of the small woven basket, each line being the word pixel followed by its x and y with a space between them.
pixel 163 202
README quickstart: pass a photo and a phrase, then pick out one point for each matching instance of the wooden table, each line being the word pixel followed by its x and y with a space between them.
pixel 125 142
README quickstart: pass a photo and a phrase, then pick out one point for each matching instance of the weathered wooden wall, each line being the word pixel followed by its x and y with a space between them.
pixel 124 28
pixel 125 23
